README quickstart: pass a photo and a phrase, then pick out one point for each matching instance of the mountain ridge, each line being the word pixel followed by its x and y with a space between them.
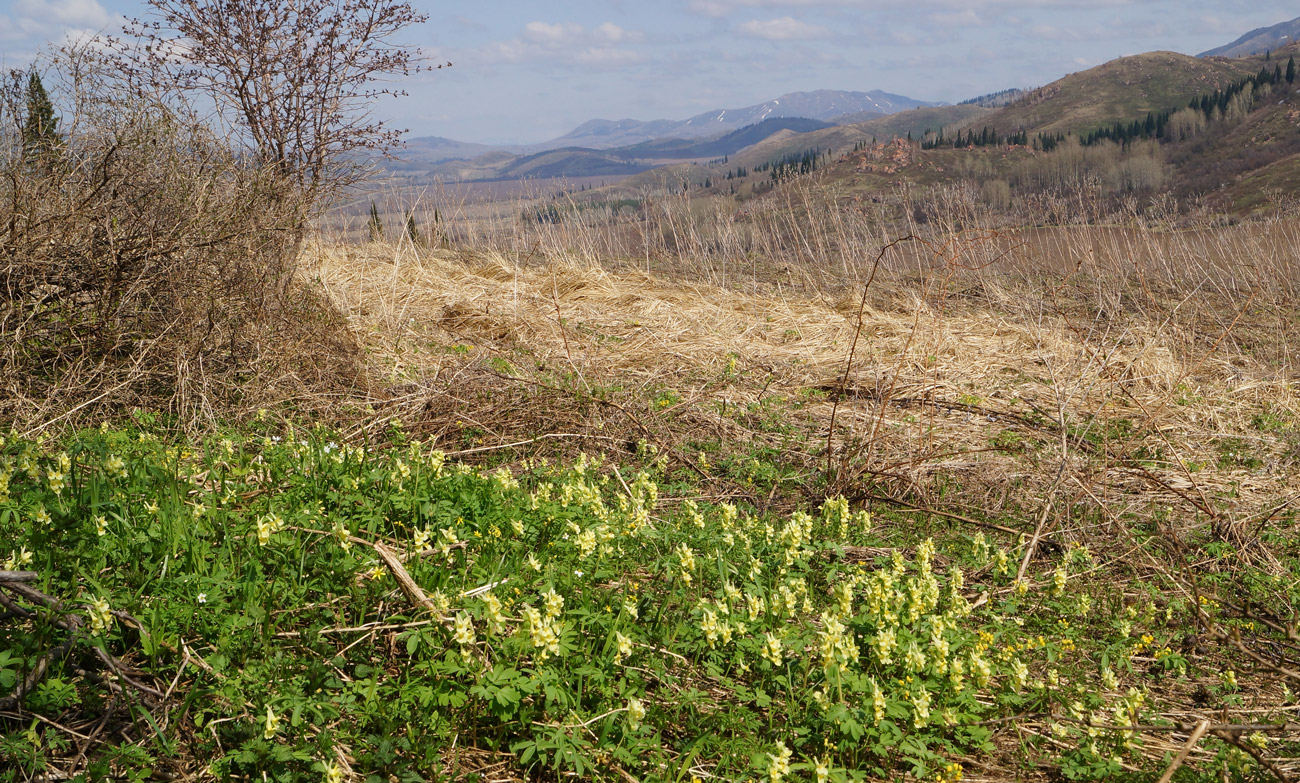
pixel 814 105
pixel 1259 40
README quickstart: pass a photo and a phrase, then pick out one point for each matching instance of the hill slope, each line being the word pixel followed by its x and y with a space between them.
pixel 1122 89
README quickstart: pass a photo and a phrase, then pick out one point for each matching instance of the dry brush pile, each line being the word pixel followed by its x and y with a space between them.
pixel 146 263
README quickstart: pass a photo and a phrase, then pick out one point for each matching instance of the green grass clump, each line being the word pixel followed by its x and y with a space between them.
pixel 570 619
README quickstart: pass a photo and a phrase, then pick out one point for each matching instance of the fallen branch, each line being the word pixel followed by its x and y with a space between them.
pixel 1197 733
pixel 13 588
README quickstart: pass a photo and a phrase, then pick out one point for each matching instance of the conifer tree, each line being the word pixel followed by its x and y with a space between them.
pixel 40 133
pixel 1290 70
pixel 376 225
pixel 412 230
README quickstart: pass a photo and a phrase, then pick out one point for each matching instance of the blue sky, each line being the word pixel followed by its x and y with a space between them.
pixel 528 71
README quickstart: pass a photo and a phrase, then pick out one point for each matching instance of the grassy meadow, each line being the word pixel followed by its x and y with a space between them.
pixel 681 493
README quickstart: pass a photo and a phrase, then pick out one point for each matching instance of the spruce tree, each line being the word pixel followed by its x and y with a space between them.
pixel 40 133
pixel 412 230
pixel 1290 70
pixel 376 225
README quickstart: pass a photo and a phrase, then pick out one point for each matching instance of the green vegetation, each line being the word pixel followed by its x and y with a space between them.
pixel 297 607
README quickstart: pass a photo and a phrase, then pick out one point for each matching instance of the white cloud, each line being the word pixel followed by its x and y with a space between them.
pixel 610 32
pixel 48 19
pixel 785 28
pixel 552 34
pixel 605 45
pixel 79 13
pixel 966 18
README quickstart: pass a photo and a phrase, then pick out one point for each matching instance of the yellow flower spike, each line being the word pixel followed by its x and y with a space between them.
pixel 635 713
pixel 772 649
pixel 270 724
pixel 464 630
pixel 780 763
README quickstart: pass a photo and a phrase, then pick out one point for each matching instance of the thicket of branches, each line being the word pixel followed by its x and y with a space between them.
pixel 154 200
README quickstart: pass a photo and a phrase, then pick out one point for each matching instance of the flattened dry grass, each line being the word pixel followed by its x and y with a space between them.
pixel 981 382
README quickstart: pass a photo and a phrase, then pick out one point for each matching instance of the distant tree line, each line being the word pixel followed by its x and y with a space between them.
pixel 994 100
pixel 987 137
pixel 793 164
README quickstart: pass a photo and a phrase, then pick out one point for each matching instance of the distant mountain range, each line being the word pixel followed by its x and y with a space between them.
pixel 815 105
pixel 1258 41
pixel 833 106
pixel 589 162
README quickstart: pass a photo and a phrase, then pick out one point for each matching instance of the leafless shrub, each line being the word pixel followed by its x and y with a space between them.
pixel 144 262
pixel 295 82
pixel 147 256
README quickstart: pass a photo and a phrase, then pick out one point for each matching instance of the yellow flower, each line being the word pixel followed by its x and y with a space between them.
pixel 635 713
pixel 1019 673
pixel 877 702
pixel 687 559
pixel 624 647
pixel 464 630
pixel 709 625
pixel 494 616
pixel 921 709
pixel 100 615
pixel 914 658
pixel 17 560
pixel 333 772
pixel 271 724
pixel 267 526
pixel 772 649
pixel 780 763
pixel 447 540
pixel 554 603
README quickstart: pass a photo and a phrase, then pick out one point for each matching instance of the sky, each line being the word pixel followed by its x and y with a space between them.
pixel 527 71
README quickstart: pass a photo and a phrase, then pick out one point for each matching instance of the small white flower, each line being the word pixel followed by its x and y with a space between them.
pixel 203 598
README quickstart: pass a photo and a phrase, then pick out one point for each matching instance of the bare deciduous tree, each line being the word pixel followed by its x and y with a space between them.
pixel 295 81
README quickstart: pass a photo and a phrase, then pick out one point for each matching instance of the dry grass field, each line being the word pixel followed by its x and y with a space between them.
pixel 1136 344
